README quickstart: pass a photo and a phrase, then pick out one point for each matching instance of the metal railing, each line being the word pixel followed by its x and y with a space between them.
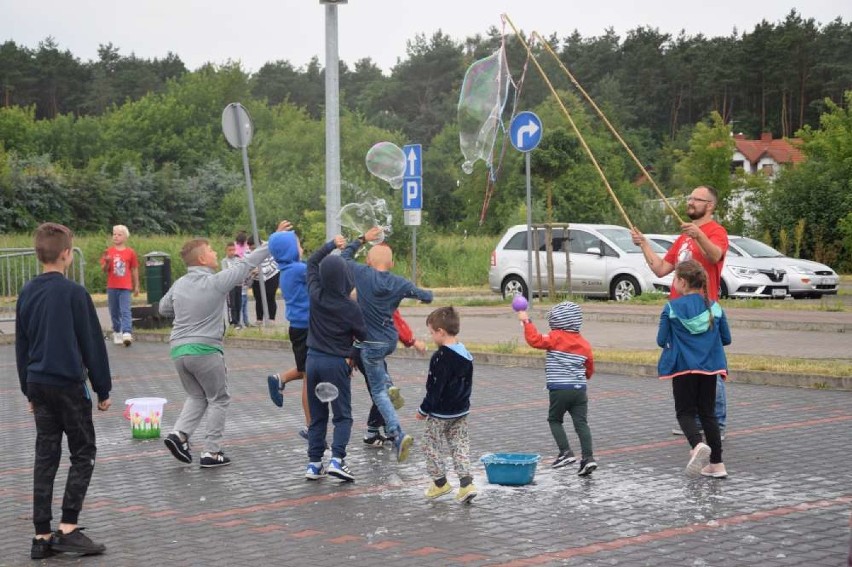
pixel 20 265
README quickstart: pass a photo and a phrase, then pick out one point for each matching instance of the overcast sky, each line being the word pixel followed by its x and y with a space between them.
pixel 258 31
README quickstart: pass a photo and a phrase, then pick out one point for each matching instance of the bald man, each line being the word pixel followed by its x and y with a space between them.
pixel 379 294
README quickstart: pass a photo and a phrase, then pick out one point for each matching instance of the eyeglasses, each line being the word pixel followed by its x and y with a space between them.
pixel 690 199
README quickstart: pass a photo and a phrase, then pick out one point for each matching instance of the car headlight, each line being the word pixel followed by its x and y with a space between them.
pixel 801 270
pixel 742 272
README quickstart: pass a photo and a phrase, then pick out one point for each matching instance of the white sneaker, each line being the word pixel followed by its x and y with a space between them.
pixel 127 339
pixel 116 339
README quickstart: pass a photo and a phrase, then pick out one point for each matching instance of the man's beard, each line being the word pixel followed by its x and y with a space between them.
pixel 693 214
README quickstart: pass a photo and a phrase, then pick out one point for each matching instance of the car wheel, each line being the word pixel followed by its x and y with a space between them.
pixel 514 285
pixel 723 291
pixel 624 288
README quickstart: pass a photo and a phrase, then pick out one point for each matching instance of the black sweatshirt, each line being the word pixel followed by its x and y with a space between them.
pixel 335 319
pixel 58 336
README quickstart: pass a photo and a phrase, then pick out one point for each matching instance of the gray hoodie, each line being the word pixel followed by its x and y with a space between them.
pixel 197 300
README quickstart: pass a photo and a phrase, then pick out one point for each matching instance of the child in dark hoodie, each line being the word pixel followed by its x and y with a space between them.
pixel 568 367
pixel 692 331
pixel 446 405
pixel 335 321
pixel 285 249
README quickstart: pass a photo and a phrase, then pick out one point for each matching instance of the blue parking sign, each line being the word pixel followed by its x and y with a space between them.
pixel 412 193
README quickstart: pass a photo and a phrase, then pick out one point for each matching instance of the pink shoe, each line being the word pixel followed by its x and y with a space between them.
pixel 700 457
pixel 715 471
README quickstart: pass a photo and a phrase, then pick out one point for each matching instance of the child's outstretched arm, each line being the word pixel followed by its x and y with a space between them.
pixel 664 332
pixel 531 334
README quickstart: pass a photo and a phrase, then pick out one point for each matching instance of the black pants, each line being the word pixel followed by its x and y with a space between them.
pixel 695 394
pixel 235 303
pixel 271 286
pixel 58 410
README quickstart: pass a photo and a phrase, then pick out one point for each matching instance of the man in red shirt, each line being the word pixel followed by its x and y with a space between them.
pixel 705 241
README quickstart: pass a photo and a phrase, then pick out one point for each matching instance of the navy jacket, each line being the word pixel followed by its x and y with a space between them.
pixel 690 345
pixel 58 336
pixel 379 294
pixel 449 384
pixel 335 319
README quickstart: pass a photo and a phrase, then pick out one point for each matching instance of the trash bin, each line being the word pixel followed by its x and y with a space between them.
pixel 158 275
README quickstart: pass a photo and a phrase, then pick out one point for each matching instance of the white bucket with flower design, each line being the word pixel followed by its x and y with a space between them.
pixel 145 415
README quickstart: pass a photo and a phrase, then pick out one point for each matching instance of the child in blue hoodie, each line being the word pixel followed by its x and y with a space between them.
pixel 285 249
pixel 335 321
pixel 446 405
pixel 692 332
pixel 379 294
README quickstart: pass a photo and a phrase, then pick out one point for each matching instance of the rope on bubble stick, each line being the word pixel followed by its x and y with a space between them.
pixel 570 121
pixel 607 122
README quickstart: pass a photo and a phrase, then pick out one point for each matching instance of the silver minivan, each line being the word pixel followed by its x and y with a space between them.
pixel 603 260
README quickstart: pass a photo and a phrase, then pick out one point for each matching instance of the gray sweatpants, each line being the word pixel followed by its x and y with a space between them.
pixel 205 380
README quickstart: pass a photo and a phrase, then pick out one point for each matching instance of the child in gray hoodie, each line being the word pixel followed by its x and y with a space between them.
pixel 197 303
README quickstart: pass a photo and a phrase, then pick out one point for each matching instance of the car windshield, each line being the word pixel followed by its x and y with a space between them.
pixel 623 241
pixel 755 248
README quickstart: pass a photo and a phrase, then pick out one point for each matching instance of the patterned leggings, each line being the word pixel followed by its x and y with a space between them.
pixel 455 432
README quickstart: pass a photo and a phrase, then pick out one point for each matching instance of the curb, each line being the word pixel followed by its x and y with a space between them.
pixel 815 381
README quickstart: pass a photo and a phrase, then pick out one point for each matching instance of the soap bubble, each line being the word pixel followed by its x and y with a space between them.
pixel 481 101
pixel 326 392
pixel 361 217
pixel 386 161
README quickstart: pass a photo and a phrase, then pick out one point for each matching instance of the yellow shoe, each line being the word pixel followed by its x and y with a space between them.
pixel 435 491
pixel 396 397
pixel 466 493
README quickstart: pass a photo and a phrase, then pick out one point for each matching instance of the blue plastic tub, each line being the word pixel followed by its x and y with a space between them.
pixel 512 469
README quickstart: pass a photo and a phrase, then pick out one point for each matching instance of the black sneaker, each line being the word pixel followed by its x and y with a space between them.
pixel 180 449
pixel 41 549
pixel 564 459
pixel 587 466
pixel 75 542
pixel 377 440
pixel 213 460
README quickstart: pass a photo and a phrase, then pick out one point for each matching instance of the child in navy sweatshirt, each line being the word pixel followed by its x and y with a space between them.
pixel 335 321
pixel 58 342
pixel 446 405
pixel 692 331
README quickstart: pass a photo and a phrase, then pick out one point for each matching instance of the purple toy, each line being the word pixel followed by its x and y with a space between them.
pixel 520 303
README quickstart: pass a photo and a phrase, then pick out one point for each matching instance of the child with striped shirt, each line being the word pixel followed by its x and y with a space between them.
pixel 568 366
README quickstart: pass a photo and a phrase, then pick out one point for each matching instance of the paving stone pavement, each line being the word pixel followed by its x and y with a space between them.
pixel 787 501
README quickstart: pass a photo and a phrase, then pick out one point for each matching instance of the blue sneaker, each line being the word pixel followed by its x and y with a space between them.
pixel 402 444
pixel 275 388
pixel 338 469
pixel 314 471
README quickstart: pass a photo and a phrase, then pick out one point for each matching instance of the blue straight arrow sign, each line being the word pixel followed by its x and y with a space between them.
pixel 413 161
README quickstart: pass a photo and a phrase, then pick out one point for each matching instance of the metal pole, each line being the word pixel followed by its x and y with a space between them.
pixel 252 214
pixel 529 226
pixel 332 124
pixel 414 254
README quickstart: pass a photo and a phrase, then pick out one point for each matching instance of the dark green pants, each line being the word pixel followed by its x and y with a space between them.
pixel 576 403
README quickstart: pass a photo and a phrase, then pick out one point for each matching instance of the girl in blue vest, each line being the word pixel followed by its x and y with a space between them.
pixel 692 332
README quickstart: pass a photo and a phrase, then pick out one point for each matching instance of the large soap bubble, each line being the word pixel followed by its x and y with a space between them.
pixel 326 392
pixel 361 217
pixel 481 101
pixel 386 161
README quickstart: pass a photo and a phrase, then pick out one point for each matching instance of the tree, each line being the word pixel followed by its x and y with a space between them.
pixel 708 160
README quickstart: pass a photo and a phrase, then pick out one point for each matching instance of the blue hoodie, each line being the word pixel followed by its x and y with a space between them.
pixel 284 249
pixel 690 345
pixel 379 294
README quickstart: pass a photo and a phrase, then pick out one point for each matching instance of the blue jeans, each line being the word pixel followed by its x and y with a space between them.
pixel 373 355
pixel 244 308
pixel 322 367
pixel 721 405
pixel 119 310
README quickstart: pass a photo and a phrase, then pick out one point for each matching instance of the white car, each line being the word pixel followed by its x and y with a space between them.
pixel 804 277
pixel 604 262
pixel 742 277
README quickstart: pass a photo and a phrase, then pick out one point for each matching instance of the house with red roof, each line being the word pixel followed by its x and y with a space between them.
pixel 766 155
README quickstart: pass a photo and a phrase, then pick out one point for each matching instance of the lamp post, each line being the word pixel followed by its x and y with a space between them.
pixel 332 120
